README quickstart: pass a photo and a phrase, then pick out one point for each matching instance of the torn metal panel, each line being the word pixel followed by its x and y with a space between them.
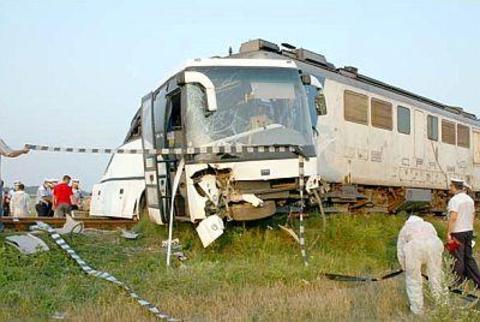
pixel 27 244
pixel 210 229
pixel 71 226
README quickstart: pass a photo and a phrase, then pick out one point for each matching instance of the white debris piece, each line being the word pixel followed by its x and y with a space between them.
pixel 128 234
pixel 175 243
pixel 252 199
pixel 313 183
pixel 71 226
pixel 27 244
pixel 210 229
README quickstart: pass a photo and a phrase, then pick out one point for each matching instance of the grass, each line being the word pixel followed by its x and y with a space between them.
pixel 249 274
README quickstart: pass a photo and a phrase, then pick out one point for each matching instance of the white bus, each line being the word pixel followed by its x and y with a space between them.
pixel 214 103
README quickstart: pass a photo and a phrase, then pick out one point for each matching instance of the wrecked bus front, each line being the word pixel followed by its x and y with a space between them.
pixel 254 106
pixel 222 103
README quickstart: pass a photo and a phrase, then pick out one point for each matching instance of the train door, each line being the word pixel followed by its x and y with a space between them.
pixel 419 137
pixel 152 191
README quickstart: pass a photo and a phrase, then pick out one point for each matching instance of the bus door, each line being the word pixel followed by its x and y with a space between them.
pixel 152 191
pixel 174 138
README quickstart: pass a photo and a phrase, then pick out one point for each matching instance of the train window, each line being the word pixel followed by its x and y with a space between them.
pixel 381 114
pixel 355 107
pixel 448 132
pixel 403 120
pixel 463 134
pixel 476 147
pixel 432 127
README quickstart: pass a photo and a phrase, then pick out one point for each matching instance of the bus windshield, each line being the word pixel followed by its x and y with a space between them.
pixel 255 106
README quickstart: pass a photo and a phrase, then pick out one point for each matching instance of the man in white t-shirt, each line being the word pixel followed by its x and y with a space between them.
pixel 461 214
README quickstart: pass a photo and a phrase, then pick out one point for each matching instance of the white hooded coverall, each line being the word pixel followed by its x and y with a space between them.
pixel 19 204
pixel 418 244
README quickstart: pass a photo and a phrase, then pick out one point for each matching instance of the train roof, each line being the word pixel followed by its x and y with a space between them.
pixel 318 60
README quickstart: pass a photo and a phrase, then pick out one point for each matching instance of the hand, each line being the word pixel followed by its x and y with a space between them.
pixel 449 238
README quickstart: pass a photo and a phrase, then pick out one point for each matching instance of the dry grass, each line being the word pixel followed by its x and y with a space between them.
pixel 248 275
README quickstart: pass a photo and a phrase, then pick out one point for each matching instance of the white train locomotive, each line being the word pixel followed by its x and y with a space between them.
pixel 378 147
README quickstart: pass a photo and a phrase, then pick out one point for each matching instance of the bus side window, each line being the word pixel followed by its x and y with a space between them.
pixel 159 118
pixel 175 112
pixel 173 124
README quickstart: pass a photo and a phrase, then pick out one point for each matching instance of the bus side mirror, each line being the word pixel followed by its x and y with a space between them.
pixel 189 77
pixel 320 104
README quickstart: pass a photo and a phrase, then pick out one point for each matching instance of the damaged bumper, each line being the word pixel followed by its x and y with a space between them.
pixel 230 191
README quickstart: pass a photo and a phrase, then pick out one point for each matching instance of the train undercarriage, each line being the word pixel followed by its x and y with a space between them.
pixel 350 198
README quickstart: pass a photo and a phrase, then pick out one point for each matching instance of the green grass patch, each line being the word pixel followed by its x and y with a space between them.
pixel 253 273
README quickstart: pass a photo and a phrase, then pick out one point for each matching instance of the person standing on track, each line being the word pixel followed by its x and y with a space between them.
pixel 461 214
pixel 6 151
pixel 418 244
pixel 62 197
pixel 44 199
pixel 77 197
pixel 20 203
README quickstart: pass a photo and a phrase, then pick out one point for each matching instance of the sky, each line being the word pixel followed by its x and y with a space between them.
pixel 72 73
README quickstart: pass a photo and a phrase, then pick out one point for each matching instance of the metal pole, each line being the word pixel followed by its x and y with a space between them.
pixel 176 183
pixel 301 177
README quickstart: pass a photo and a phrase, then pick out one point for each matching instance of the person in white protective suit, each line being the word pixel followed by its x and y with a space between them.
pixel 418 244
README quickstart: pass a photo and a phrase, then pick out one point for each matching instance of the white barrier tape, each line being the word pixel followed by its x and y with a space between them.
pixel 103 275
pixel 301 185
pixel 233 149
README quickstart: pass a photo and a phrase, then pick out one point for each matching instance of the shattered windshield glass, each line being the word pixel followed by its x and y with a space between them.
pixel 255 106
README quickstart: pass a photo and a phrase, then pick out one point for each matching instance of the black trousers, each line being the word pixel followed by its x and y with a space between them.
pixel 43 210
pixel 465 264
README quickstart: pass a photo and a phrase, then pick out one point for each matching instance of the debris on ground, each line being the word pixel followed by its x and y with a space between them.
pixel 176 249
pixel 210 229
pixel 71 226
pixel 27 244
pixel 58 315
pixel 290 232
pixel 175 244
pixel 180 256
pixel 129 234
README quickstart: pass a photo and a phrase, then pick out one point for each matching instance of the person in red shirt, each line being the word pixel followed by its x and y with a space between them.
pixel 62 197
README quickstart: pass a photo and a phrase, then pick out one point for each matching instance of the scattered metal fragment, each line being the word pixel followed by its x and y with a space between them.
pixel 180 256
pixel 128 234
pixel 175 243
pixel 58 315
pixel 290 232
pixel 27 244
pixel 210 229
pixel 71 226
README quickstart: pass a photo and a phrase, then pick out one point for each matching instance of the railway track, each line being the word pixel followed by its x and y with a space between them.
pixel 23 223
